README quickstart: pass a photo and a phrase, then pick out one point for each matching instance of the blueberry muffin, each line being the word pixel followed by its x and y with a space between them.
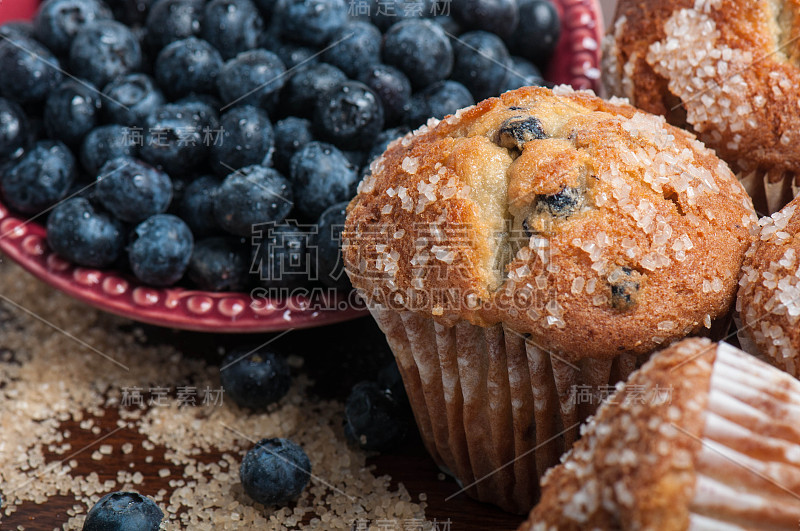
pixel 523 253
pixel 727 71
pixel 703 436
pixel 769 291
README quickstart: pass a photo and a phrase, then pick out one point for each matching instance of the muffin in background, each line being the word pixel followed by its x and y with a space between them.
pixel 768 302
pixel 728 71
pixel 703 436
pixel 523 254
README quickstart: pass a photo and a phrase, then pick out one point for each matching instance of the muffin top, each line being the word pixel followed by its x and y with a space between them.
pixel 592 226
pixel 728 70
pixel 769 290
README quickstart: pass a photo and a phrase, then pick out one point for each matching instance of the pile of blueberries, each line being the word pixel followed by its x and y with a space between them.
pixel 160 136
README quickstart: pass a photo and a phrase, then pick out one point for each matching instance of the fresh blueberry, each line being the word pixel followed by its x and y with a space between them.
pixel 391 381
pixel 197 205
pixel 283 257
pixel 188 65
pixel 354 47
pixel 451 28
pixel 310 22
pixel 251 78
pixel 305 86
pixel 328 242
pixel 29 70
pixel 537 35
pixel 255 378
pixel 71 111
pixel 321 176
pixel 177 138
pixel 17 30
pixel 392 87
pixel 209 103
pixel 275 471
pixel 40 178
pixel 420 49
pixel 131 12
pixel 246 139
pixel 383 140
pixel 219 264
pixel 124 511
pixel 173 20
pixel 373 418
pixel 58 21
pixel 83 234
pixel 385 13
pixel 104 50
pixel 130 99
pixel 251 196
pixel 293 55
pixel 132 190
pixel 160 250
pixel 291 134
pixel 500 17
pixel 349 115
pixel 232 26
pixel 108 142
pixel 481 63
pixel 522 73
pixel 437 101
pixel 356 158
pixel 14 129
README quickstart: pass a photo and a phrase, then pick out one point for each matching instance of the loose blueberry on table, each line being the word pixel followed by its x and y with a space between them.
pixel 182 129
pixel 124 511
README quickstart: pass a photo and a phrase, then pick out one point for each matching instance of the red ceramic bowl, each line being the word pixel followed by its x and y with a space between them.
pixel 576 62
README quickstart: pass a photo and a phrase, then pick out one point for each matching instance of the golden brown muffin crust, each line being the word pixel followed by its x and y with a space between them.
pixel 588 224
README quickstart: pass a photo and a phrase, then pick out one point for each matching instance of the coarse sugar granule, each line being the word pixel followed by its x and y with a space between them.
pixel 54 390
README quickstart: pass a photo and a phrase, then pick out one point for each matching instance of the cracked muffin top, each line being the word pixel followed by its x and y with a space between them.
pixel 594 227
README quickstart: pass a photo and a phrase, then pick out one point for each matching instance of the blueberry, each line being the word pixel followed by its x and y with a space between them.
pixel 420 49
pixel 291 134
pixel 17 30
pixel 58 21
pixel 251 196
pixel 383 140
pixel 437 101
pixel 104 50
pixel 522 73
pixel 500 17
pixel 294 55
pixel 105 143
pixel 283 258
pixel 385 13
pixel 132 190
pixel 130 99
pixel 205 104
pixel 219 264
pixel 188 65
pixel 267 7
pixel 197 205
pixel 173 20
pixel 246 139
pixel 305 86
pixel 124 511
pixel 354 47
pixel 177 138
pixel 310 22
pixel 391 381
pixel 275 471
pixel 14 129
pixel 373 418
pixel 160 250
pixel 537 35
pixel 515 132
pixel 451 28
pixel 561 204
pixel 625 283
pixel 392 87
pixel 251 78
pixel 30 71
pixel 321 176
pixel 255 378
pixel 40 178
pixel 131 12
pixel 83 234
pixel 232 26
pixel 481 63
pixel 349 114
pixel 328 242
pixel 71 111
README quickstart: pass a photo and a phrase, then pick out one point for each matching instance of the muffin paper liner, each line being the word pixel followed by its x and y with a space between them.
pixel 494 410
pixel 748 470
pixel 769 194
